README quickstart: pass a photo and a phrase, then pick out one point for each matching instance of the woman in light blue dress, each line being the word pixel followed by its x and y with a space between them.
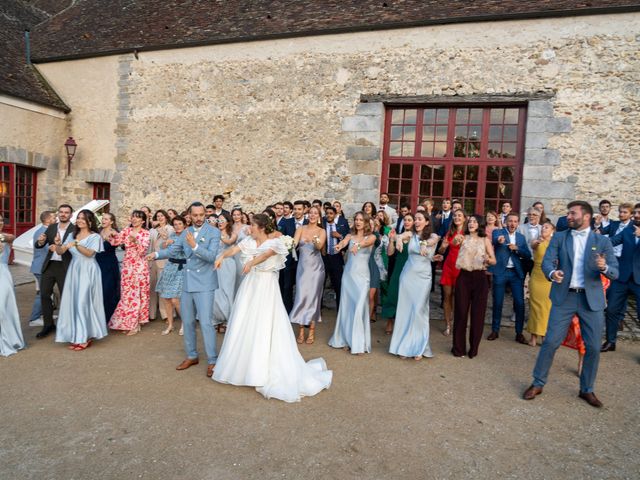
pixel 81 318
pixel 226 292
pixel 352 324
pixel 11 339
pixel 310 240
pixel 411 330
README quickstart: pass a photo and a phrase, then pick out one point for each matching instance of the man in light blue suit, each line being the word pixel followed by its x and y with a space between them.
pixel 39 254
pixel 511 249
pixel 574 261
pixel 200 244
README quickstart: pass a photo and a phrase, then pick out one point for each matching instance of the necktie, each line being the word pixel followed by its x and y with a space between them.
pixel 331 239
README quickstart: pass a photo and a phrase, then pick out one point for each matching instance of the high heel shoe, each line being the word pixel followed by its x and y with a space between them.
pixel 167 330
pixel 134 331
pixel 447 331
pixel 311 338
pixel 300 338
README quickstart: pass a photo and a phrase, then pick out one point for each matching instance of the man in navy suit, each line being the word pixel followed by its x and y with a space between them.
pixel 627 281
pixel 445 217
pixel 574 261
pixel 337 228
pixel 287 276
pixel 511 249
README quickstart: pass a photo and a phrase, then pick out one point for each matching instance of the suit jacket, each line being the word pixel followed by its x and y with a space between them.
pixel 199 275
pixel 611 229
pixel 445 223
pixel 39 253
pixel 287 226
pixel 559 256
pixel 503 253
pixel 51 232
pixel 399 226
pixel 629 263
pixel 341 227
pixel 526 231
pixel 562 224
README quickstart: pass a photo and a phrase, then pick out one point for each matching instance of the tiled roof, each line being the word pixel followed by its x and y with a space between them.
pixel 102 27
pixel 17 77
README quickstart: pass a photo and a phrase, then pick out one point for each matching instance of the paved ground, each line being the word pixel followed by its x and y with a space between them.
pixel 120 410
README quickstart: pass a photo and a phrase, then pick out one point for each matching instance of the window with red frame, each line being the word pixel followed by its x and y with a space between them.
pixel 102 191
pixel 471 153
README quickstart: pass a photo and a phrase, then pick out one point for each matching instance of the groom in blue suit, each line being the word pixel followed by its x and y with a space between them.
pixel 574 261
pixel 511 248
pixel 200 244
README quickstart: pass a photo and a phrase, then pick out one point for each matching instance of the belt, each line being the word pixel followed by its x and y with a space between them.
pixel 576 290
pixel 179 261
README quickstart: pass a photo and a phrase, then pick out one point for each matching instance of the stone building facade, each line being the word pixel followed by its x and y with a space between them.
pixel 305 117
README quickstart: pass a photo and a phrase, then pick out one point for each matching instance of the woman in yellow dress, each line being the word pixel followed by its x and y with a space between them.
pixel 539 287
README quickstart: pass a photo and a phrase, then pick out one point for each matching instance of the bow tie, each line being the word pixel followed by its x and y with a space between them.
pixel 580 233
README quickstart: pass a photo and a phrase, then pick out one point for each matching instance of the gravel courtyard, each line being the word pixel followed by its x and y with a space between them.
pixel 120 410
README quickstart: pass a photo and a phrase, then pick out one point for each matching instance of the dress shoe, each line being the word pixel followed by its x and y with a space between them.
pixel 46 331
pixel 608 347
pixel 210 370
pixel 520 339
pixel 493 336
pixel 187 363
pixel 591 399
pixel 531 392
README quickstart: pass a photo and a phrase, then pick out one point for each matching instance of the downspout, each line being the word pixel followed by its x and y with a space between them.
pixel 27 42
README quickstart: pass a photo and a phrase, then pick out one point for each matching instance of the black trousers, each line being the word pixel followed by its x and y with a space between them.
pixel 287 280
pixel 472 292
pixel 333 268
pixel 54 274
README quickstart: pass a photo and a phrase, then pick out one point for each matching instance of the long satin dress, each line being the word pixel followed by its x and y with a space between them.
pixel 81 317
pixel 11 339
pixel 309 285
pixel 411 329
pixel 391 300
pixel 259 349
pixel 352 324
pixel 226 292
pixel 539 288
pixel 110 270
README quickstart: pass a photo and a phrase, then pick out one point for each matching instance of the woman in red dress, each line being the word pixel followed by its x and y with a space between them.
pixel 451 245
pixel 133 308
pixel 574 337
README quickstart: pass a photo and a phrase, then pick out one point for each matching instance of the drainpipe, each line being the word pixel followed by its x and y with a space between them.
pixel 27 43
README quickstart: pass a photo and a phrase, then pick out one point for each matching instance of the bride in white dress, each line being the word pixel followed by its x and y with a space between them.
pixel 259 348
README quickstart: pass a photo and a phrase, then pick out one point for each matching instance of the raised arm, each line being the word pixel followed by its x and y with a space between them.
pixel 229 252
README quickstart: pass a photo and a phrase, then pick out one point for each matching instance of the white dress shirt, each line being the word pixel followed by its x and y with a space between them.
pixel 617 250
pixel 512 239
pixel 54 256
pixel 579 243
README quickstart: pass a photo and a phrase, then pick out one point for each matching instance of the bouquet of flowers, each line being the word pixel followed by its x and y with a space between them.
pixel 290 245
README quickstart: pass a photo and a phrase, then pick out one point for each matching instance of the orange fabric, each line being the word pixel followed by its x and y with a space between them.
pixel 574 337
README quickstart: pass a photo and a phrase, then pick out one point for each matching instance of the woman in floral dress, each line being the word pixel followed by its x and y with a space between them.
pixel 133 308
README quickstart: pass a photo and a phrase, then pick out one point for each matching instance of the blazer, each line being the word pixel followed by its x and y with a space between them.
pixel 629 263
pixel 51 232
pixel 559 256
pixel 287 226
pixel 611 229
pixel 503 253
pixel 445 223
pixel 341 227
pixel 198 274
pixel 562 224
pixel 39 253
pixel 526 231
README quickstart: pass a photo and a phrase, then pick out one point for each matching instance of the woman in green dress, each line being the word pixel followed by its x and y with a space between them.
pixel 391 299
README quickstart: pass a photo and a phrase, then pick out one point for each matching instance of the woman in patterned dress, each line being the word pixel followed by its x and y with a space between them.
pixel 133 308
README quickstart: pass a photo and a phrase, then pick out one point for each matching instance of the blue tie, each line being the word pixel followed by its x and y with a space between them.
pixel 331 239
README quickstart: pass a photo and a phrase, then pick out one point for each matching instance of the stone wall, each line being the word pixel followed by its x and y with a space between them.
pixel 33 136
pixel 283 119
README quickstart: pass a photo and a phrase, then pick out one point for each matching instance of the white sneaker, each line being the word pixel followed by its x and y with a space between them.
pixel 37 323
pixel 181 332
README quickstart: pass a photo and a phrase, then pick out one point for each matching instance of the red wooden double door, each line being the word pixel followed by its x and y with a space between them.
pixel 18 186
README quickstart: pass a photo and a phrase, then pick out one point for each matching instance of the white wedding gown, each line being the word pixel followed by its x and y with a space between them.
pixel 259 348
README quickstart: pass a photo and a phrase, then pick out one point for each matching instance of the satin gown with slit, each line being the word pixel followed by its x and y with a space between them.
pixel 81 317
pixel 352 328
pixel 11 339
pixel 259 348
pixel 411 328
pixel 309 285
